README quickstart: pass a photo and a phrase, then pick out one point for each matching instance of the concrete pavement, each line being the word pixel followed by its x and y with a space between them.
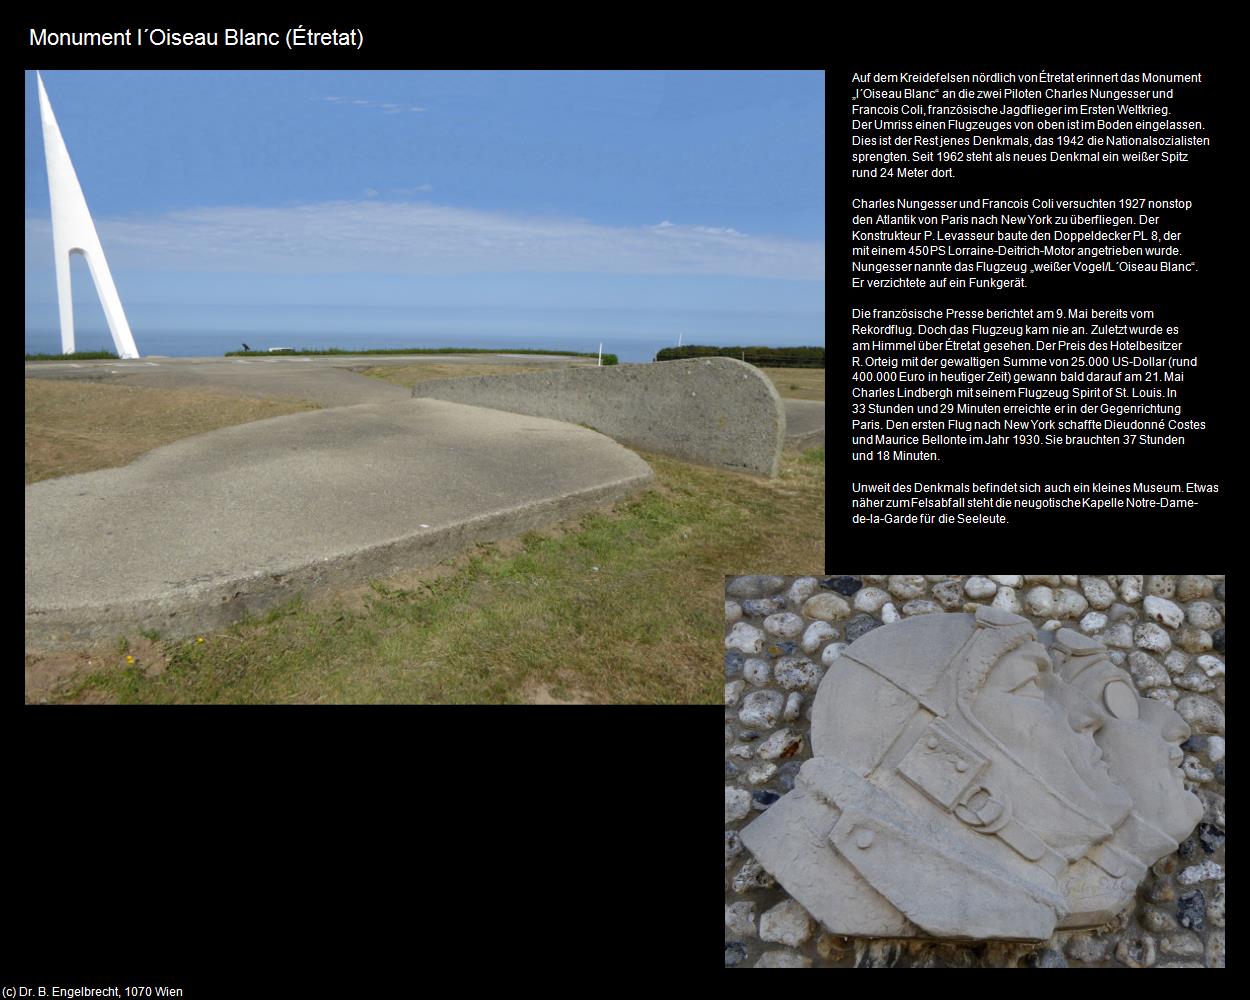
pixel 805 423
pixel 192 535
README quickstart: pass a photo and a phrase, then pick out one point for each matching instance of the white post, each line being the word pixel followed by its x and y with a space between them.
pixel 74 232
pixel 679 340
pixel 600 365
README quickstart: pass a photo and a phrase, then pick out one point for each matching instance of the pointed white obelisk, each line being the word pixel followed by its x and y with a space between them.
pixel 74 232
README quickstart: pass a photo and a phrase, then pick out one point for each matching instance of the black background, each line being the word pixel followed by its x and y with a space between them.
pixel 1199 302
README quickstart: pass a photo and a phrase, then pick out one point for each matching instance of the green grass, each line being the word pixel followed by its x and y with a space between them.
pixel 99 355
pixel 608 359
pixel 621 606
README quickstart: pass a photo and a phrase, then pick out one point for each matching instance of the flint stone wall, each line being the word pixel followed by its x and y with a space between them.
pixel 1166 631
pixel 714 411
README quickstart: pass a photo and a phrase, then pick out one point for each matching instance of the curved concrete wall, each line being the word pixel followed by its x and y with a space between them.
pixel 714 411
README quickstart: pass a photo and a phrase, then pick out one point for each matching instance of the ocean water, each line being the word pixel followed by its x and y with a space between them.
pixel 210 329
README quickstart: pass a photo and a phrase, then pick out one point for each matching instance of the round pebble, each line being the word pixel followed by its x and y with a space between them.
pixel 871 600
pixel 797 672
pixel 1097 592
pixel 746 638
pixel 1040 601
pixel 1202 714
pixel 737 804
pixel 906 587
pixel 1130 589
pixel 754 586
pixel 1203 615
pixel 786 625
pixel 752 876
pixel 826 607
pixel 786 923
pixel 831 653
pixel 979 586
pixel 1146 671
pixel 802 589
pixel 860 625
pixel 816 633
pixel 844 585
pixel 1208 871
pixel 1191 588
pixel 1212 666
pixel 1150 636
pixel 763 606
pixel 757 671
pixel 1136 951
pixel 1195 680
pixel 762 708
pixel 781 745
pixel 1119 636
pixel 1070 603
pixel 1193 640
pixel 1007 600
pixel 783 960
pixel 949 594
pixel 1093 622
pixel 740 919
pixel 1163 611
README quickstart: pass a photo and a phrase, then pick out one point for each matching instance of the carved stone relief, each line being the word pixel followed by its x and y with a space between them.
pixel 969 781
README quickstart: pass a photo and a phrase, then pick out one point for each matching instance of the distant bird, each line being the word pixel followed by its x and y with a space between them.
pixel 246 348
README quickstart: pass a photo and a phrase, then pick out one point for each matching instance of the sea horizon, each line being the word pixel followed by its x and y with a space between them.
pixel 632 347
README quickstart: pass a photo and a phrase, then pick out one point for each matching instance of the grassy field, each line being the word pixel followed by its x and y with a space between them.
pixel 798 383
pixel 77 426
pixel 619 606
pixel 622 606
pixel 791 383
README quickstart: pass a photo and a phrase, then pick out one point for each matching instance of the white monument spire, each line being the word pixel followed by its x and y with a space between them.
pixel 74 232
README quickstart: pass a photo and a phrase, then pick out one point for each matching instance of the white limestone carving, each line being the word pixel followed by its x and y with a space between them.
pixel 965 785
pixel 74 232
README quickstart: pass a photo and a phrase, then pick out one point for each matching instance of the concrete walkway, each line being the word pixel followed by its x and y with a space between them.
pixel 192 535
pixel 805 423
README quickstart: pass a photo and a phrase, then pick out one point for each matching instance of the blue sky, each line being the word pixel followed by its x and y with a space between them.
pixel 616 206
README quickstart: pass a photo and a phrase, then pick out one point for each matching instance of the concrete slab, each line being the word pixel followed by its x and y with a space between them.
pixel 194 534
pixel 805 423
pixel 715 411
